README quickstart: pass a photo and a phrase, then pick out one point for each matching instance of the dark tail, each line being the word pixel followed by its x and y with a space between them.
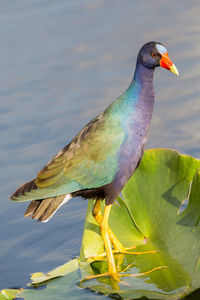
pixel 41 207
pixel 43 210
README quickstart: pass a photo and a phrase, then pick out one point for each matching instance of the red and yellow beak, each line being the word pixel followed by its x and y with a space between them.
pixel 166 63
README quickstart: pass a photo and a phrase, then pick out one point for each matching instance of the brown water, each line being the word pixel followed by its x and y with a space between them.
pixel 61 63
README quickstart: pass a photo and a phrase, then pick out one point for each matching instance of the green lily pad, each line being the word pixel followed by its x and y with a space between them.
pixel 41 278
pixel 159 210
pixel 149 216
pixel 9 294
pixel 61 288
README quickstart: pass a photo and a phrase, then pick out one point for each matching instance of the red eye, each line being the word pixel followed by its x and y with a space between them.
pixel 154 54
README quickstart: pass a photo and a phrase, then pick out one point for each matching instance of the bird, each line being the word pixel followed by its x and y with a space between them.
pixel 101 158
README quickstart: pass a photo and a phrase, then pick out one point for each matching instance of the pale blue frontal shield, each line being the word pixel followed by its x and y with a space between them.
pixel 161 48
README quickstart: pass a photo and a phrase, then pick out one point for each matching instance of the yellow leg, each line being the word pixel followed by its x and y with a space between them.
pixel 118 247
pixel 112 271
pixel 108 237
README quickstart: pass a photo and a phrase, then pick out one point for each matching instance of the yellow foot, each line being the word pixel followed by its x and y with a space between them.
pixel 142 274
pixel 125 251
pixel 116 276
pixel 122 251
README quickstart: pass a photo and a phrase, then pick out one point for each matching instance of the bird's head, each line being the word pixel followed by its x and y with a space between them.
pixel 154 54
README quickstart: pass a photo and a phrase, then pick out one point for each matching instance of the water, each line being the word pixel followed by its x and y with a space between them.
pixel 63 62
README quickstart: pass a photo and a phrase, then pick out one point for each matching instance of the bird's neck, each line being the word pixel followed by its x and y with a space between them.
pixel 143 77
pixel 141 88
pixel 138 97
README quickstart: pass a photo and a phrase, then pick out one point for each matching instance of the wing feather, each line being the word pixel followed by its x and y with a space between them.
pixel 91 159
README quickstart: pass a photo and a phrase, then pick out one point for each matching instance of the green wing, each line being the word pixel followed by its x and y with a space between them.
pixel 89 161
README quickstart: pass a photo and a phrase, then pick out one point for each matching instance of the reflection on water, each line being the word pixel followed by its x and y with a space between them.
pixel 61 64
